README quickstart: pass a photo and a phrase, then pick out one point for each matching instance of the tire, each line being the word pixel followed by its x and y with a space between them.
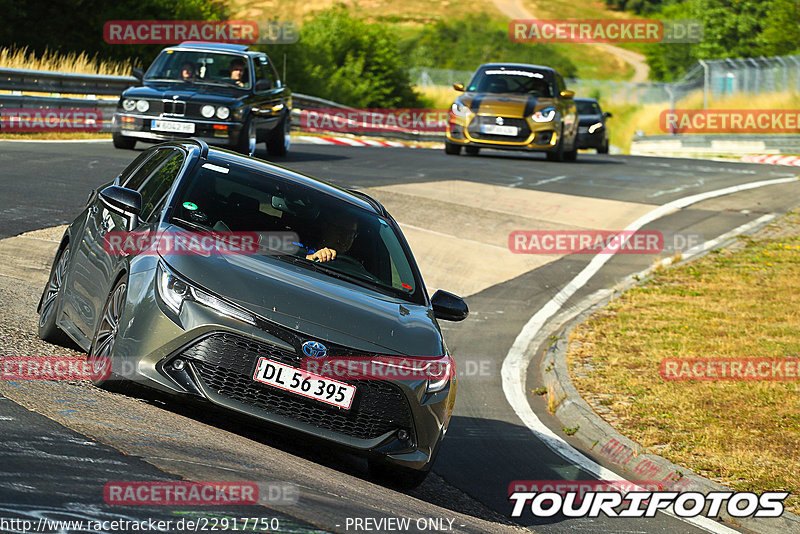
pixel 48 330
pixel 280 138
pixel 396 476
pixel 572 155
pixel 105 337
pixel 121 141
pixel 604 148
pixel 246 144
pixel 452 148
pixel 472 150
pixel 558 153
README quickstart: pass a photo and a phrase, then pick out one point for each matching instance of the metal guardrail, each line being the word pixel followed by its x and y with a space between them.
pixel 19 80
pixel 721 144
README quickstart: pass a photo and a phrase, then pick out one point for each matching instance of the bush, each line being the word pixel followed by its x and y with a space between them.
pixel 465 43
pixel 346 60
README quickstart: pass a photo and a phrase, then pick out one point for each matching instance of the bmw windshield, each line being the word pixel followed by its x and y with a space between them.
pixel 365 247
pixel 195 67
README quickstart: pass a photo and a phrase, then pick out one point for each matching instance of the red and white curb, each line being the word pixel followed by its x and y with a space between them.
pixel 773 159
pixel 350 141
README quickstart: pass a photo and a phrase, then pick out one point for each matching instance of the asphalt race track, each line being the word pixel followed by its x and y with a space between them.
pixel 63 441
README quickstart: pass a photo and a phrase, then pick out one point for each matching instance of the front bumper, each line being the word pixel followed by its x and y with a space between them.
pixel 216 132
pixel 220 355
pixel 531 135
pixel 595 139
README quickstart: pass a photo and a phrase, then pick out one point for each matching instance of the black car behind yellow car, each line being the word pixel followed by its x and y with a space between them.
pixel 514 106
pixel 592 127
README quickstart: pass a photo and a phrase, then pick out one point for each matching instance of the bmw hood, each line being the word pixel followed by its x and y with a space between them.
pixel 505 105
pixel 315 304
pixel 186 92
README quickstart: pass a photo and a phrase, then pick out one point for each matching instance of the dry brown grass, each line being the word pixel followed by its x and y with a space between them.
pixel 21 58
pixel 629 118
pixel 729 304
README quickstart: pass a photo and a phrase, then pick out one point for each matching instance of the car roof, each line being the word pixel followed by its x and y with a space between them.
pixel 205 45
pixel 218 155
pixel 516 66
pixel 585 99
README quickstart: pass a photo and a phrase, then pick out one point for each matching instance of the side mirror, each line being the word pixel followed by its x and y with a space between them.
pixel 122 199
pixel 138 74
pixel 567 94
pixel 263 85
pixel 458 86
pixel 449 307
pixel 607 114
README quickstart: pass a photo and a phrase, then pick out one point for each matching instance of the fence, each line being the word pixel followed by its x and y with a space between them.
pixel 716 78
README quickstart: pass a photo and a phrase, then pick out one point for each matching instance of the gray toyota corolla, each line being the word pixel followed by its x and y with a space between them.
pixel 255 271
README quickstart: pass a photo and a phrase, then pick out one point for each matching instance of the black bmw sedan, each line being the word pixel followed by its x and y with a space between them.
pixel 224 94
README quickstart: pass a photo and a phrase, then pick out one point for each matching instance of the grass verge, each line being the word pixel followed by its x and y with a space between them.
pixel 733 303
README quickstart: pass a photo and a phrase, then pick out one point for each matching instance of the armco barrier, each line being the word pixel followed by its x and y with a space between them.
pixel 92 85
pixel 710 145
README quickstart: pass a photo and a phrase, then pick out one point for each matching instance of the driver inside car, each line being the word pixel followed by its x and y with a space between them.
pixel 335 237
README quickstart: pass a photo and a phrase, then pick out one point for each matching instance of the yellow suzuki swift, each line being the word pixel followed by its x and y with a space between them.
pixel 514 106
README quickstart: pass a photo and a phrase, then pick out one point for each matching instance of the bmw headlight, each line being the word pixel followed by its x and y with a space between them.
pixel 207 111
pixel 173 291
pixel 594 127
pixel 223 113
pixel 460 110
pixel 142 106
pixel 128 104
pixel 544 114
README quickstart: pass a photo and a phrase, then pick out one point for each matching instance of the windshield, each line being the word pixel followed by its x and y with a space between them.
pixel 516 81
pixel 587 107
pixel 368 251
pixel 200 67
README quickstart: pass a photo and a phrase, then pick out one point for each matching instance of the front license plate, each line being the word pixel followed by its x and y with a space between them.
pixel 583 129
pixel 304 383
pixel 496 129
pixel 171 126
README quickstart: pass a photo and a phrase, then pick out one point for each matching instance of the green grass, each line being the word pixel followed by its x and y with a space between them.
pixel 729 304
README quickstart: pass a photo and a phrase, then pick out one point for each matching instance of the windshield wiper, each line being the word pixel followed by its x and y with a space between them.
pixel 191 225
pixel 335 273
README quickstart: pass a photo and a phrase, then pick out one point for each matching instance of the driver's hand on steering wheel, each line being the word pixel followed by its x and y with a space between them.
pixel 322 255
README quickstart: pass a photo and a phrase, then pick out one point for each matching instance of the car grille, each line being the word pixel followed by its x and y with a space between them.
pixel 523 129
pixel 226 363
pixel 174 107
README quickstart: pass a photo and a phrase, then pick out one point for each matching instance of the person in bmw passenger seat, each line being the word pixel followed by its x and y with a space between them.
pixel 336 237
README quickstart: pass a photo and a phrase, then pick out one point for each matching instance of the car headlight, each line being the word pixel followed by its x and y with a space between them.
pixel 223 112
pixel 460 110
pixel 544 114
pixel 207 111
pixel 439 373
pixel 173 290
pixel 594 127
pixel 142 106
pixel 128 104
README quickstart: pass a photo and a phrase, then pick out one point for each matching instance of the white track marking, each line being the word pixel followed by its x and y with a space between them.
pixel 515 364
